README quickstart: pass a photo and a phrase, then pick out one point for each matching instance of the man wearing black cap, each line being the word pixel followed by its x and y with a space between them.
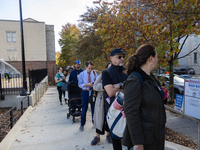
pixel 112 79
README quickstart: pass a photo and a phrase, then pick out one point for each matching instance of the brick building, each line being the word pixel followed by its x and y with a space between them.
pixel 39 45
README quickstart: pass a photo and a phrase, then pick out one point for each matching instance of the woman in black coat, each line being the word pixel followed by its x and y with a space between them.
pixel 143 104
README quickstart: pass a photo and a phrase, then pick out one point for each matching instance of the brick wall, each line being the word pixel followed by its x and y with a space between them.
pixel 36 65
pixel 51 68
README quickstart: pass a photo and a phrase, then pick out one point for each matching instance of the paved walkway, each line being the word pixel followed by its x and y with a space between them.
pixel 47 128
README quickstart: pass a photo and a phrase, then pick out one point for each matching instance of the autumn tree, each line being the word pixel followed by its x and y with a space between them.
pixel 90 45
pixel 59 62
pixel 161 23
pixel 68 42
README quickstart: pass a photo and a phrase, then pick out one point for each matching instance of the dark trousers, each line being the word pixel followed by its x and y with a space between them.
pixel 60 92
pixel 85 99
pixel 117 145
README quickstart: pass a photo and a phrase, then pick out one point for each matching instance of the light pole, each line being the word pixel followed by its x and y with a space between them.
pixel 24 90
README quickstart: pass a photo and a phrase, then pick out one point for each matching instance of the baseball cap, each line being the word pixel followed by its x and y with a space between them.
pixel 77 62
pixel 117 51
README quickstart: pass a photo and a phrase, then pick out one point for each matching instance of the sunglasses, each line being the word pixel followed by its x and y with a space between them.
pixel 119 57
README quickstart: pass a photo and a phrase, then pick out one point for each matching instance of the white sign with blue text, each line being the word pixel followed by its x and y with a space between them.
pixel 179 102
pixel 192 87
pixel 192 98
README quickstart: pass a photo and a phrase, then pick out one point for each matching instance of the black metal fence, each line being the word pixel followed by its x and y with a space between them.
pixel 11 84
pixel 36 76
pixel 10 117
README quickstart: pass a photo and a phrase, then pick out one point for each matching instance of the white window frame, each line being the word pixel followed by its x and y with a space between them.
pixel 12 57
pixel 12 38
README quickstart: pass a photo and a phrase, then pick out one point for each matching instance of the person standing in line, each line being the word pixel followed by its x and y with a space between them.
pixel 65 72
pixel 59 80
pixel 143 103
pixel 67 80
pixel 85 82
pixel 112 79
pixel 99 112
pixel 75 73
pixel 73 79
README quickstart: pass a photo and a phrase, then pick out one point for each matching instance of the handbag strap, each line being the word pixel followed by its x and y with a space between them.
pixel 94 75
pixel 134 73
pixel 137 74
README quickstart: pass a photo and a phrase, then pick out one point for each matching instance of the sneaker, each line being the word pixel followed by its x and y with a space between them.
pixel 60 103
pixel 109 139
pixel 81 128
pixel 95 140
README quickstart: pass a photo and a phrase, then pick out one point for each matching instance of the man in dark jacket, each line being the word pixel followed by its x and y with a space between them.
pixel 73 79
pixel 112 79
pixel 75 73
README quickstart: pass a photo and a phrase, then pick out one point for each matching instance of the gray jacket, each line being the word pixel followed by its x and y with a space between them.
pixel 99 113
pixel 145 113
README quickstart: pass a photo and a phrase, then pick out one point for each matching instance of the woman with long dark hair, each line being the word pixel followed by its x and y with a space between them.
pixel 143 104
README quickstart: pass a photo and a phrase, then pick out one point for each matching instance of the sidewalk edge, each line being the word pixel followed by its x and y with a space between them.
pixel 175 146
pixel 7 141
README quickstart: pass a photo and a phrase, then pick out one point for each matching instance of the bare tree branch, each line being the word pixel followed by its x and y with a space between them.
pixel 176 55
pixel 189 52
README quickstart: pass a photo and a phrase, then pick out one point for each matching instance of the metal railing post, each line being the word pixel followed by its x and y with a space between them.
pixel 198 142
pixel 22 107
pixel 29 76
pixel 28 101
pixel 1 88
pixel 11 118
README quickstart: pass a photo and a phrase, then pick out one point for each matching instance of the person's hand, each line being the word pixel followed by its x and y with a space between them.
pixel 90 84
pixel 61 80
pixel 138 147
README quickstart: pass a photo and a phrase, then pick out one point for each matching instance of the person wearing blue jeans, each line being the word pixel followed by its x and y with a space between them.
pixel 85 82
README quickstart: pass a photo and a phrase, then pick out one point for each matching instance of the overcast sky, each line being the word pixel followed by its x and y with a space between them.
pixel 52 12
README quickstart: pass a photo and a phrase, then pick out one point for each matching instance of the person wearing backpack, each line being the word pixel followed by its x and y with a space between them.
pixel 143 104
pixel 85 82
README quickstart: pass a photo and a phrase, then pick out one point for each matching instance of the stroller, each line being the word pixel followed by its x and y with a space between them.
pixel 75 102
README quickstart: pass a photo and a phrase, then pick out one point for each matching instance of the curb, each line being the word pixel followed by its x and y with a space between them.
pixel 7 141
pixel 174 146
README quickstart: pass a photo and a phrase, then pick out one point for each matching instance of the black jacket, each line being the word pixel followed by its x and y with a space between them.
pixel 145 113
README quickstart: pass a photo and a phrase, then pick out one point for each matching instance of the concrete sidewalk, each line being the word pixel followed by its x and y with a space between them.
pixel 182 125
pixel 47 128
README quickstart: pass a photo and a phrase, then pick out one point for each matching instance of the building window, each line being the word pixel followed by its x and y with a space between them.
pixel 11 37
pixel 12 54
pixel 195 57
